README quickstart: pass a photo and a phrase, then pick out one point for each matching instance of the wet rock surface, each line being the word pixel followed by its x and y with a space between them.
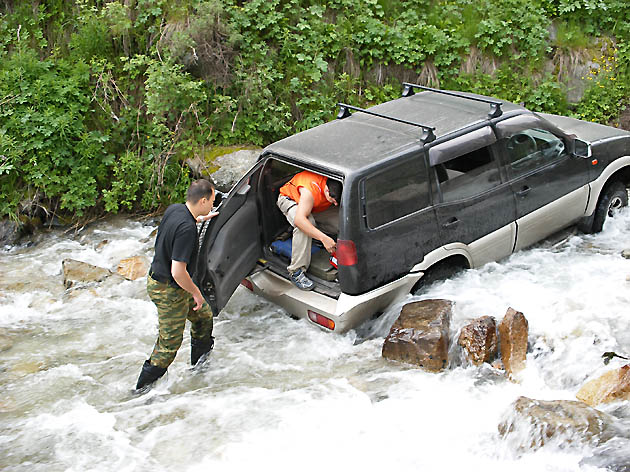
pixel 513 332
pixel 530 424
pixel 612 386
pixel 77 272
pixel 9 232
pixel 479 340
pixel 420 335
pixel 133 268
pixel 6 342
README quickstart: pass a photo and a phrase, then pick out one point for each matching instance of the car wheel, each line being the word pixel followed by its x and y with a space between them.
pixel 613 198
pixel 443 270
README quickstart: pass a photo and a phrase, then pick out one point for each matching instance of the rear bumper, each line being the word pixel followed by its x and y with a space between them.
pixel 347 312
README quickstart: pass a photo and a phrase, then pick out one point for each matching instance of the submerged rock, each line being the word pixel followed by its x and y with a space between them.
pixel 613 386
pixel 420 335
pixel 76 272
pixel 479 340
pixel 133 268
pixel 6 342
pixel 613 456
pixel 532 423
pixel 513 332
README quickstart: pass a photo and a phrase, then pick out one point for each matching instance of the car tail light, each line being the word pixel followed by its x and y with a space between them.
pixel 321 320
pixel 346 252
pixel 247 284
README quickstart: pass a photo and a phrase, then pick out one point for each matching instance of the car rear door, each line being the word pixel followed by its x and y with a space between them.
pixel 232 242
pixel 549 183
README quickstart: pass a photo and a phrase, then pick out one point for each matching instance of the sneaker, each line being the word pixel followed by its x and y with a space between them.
pixel 301 281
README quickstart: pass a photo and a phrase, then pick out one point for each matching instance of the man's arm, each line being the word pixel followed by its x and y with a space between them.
pixel 304 209
pixel 181 276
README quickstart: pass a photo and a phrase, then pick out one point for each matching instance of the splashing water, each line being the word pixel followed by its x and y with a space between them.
pixel 282 393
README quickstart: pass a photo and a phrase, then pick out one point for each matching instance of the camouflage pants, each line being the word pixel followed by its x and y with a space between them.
pixel 175 306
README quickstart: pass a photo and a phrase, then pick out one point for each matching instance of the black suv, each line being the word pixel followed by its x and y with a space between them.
pixel 433 180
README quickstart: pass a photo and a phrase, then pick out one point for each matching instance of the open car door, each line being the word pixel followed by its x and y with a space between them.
pixel 232 243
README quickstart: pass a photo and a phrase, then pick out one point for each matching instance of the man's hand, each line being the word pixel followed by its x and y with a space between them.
pixel 209 216
pixel 181 276
pixel 329 244
pixel 198 300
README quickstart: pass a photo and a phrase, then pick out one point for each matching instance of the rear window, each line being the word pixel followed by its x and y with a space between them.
pixel 396 192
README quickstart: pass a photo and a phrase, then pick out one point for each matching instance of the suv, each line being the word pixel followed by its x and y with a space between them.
pixel 431 181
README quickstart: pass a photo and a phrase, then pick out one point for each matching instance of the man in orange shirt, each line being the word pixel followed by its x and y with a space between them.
pixel 307 193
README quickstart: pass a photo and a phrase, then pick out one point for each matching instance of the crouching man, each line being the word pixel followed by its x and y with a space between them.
pixel 171 287
pixel 307 193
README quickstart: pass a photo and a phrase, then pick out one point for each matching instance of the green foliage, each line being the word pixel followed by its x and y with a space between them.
pixel 101 102
pixel 47 140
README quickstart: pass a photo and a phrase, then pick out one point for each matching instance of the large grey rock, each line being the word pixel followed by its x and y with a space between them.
pixel 232 167
pixel 9 232
pixel 530 424
pixel 227 169
pixel 625 253
pixel 513 332
pixel 420 335
pixel 612 386
pixel 479 340
pixel 77 272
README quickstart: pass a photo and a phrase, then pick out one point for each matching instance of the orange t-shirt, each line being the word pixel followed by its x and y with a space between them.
pixel 314 183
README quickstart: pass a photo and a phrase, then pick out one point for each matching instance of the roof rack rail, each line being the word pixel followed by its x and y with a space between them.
pixel 495 105
pixel 427 136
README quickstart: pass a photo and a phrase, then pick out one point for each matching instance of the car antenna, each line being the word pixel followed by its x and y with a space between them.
pixel 427 136
pixel 495 105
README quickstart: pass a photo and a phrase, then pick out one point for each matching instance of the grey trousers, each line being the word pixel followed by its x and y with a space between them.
pixel 327 221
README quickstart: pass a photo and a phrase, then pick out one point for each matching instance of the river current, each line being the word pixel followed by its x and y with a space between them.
pixel 280 394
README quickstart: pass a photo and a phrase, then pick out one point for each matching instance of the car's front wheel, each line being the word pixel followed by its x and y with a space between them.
pixel 613 198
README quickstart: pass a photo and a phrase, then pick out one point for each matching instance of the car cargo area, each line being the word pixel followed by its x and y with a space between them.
pixel 277 233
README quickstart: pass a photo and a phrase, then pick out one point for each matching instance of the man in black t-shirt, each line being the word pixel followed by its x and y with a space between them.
pixel 170 285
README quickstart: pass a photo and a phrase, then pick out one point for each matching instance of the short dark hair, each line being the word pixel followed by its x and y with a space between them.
pixel 199 189
pixel 334 188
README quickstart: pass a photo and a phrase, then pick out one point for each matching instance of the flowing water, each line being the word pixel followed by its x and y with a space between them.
pixel 279 394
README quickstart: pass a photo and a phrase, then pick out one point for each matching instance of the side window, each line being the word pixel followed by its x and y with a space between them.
pixel 396 192
pixel 530 149
pixel 468 175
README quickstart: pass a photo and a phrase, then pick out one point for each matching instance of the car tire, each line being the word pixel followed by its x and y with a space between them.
pixel 613 198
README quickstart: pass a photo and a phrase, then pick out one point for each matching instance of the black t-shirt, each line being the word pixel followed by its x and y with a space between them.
pixel 176 240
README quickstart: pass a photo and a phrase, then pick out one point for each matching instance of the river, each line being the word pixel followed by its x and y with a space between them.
pixel 279 394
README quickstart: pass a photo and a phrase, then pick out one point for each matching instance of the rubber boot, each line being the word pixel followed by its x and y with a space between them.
pixel 149 374
pixel 199 348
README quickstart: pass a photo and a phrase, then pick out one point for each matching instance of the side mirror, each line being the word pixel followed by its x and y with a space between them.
pixel 582 148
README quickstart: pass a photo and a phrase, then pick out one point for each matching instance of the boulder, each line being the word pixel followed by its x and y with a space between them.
pixel 133 268
pixel 9 232
pixel 531 423
pixel 625 253
pixel 613 386
pixel 513 332
pixel 224 165
pixel 77 272
pixel 420 335
pixel 479 340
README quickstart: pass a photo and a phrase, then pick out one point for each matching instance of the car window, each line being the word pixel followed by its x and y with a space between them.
pixel 396 192
pixel 530 149
pixel 467 176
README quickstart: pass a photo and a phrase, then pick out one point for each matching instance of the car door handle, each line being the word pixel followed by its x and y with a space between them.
pixel 524 191
pixel 451 223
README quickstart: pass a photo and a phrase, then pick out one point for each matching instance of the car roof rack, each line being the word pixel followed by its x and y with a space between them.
pixel 495 105
pixel 427 136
